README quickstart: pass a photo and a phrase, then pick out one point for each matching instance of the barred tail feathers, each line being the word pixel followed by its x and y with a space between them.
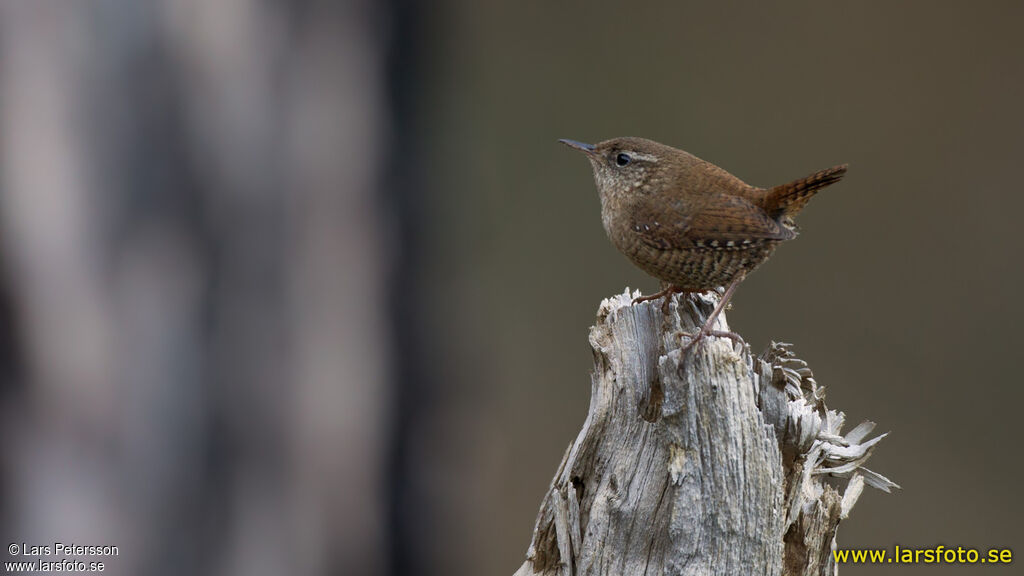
pixel 787 200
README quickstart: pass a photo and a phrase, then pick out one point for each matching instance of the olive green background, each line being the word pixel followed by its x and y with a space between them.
pixel 902 291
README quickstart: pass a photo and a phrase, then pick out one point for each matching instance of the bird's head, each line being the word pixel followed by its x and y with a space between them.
pixel 624 166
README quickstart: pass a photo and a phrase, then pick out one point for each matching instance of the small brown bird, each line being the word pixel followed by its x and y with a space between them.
pixel 688 222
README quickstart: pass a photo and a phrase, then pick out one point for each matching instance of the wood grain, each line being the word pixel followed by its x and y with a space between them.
pixel 718 462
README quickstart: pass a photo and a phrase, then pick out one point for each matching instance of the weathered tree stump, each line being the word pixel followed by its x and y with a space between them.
pixel 712 462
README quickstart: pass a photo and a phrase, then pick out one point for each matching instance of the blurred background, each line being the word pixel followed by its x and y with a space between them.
pixel 304 287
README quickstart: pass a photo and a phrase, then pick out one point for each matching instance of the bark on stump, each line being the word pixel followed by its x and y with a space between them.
pixel 716 462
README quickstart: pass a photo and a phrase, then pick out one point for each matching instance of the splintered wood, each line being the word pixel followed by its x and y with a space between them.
pixel 708 462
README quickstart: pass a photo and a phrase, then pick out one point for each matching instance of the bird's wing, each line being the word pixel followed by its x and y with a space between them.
pixel 723 218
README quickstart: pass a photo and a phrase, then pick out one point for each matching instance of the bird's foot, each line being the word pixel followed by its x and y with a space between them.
pixel 705 332
pixel 667 292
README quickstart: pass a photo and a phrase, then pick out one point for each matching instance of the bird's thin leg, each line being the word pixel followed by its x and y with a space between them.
pixel 667 292
pixel 706 329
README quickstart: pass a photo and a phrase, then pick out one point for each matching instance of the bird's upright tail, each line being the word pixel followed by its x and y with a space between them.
pixel 788 199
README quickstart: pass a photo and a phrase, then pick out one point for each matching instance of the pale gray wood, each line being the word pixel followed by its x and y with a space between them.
pixel 198 247
pixel 712 462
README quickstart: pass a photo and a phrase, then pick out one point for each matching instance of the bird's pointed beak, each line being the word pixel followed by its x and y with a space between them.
pixel 587 148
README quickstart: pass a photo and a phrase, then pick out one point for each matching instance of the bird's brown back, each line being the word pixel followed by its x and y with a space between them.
pixel 688 222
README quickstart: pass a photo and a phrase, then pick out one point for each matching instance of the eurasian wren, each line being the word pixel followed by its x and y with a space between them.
pixel 688 222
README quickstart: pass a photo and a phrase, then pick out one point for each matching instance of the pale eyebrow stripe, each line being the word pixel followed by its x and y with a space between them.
pixel 644 157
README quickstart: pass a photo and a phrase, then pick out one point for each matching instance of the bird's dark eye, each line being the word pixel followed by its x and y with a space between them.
pixel 623 159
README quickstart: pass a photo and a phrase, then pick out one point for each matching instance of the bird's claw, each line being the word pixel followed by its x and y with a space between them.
pixel 666 292
pixel 640 299
pixel 704 333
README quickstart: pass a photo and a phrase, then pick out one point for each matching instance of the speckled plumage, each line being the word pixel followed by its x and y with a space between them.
pixel 686 221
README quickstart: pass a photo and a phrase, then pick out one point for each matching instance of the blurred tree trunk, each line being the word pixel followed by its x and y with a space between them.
pixel 710 463
pixel 197 257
